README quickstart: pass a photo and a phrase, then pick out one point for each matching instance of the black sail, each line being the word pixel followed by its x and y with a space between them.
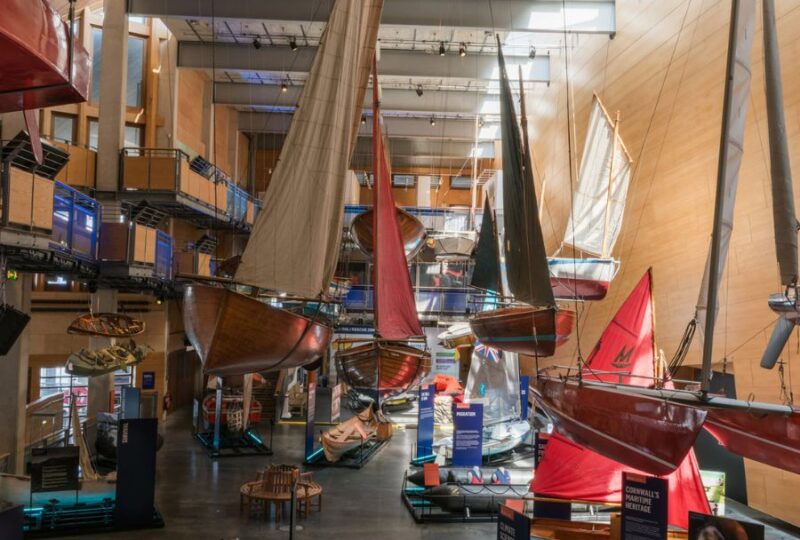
pixel 526 258
pixel 487 260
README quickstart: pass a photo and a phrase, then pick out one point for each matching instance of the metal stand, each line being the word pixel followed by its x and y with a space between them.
pixel 292 511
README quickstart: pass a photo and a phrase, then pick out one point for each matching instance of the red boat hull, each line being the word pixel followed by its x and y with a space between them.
pixel 773 439
pixel 511 329
pixel 34 58
pixel 388 368
pixel 585 289
pixel 649 434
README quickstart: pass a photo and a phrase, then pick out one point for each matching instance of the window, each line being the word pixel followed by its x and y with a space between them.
pixel 56 380
pixel 403 180
pixel 133 136
pixel 93 135
pixel 364 179
pixel 64 128
pixel 436 182
pixel 97 60
pixel 134 92
pixel 460 182
pixel 137 19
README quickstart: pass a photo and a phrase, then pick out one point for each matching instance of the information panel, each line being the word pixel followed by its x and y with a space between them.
pixel 311 409
pixel 512 525
pixel 644 507
pixel 524 385
pixel 54 469
pixel 540 441
pixel 425 421
pixel 136 472
pixel 467 434
pixel 336 403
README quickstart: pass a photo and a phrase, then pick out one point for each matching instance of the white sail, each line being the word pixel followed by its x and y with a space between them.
pixel 294 245
pixel 494 381
pixel 599 201
pixel 733 141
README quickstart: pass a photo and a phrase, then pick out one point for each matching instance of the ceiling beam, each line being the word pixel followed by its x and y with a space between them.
pixel 582 16
pixel 394 63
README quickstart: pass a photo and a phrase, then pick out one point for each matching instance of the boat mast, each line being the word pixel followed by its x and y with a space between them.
pixel 474 194
pixel 604 250
pixel 722 170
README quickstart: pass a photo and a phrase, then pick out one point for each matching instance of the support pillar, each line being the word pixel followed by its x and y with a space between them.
pixel 14 374
pixel 103 301
pixel 113 90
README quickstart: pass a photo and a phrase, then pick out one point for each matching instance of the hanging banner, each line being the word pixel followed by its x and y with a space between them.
pixel 644 507
pixel 539 444
pixel 721 528
pixel 311 406
pixel 512 525
pixel 467 434
pixel 425 421
pixel 336 403
pixel 524 385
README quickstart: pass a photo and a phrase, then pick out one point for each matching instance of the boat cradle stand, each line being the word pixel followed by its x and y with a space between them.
pixel 54 519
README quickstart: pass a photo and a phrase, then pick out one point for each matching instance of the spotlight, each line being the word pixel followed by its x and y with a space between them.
pixel 292 44
pixel 419 90
pixel 284 88
pixel 462 50
pixel 442 50
pixel 532 53
pixel 256 43
pixel 433 120
pixel 363 119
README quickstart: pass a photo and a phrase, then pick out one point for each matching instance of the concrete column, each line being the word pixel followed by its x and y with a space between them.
pixel 104 300
pixel 14 374
pixel 113 84
pixel 424 191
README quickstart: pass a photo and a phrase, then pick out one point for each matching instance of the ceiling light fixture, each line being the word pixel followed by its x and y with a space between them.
pixel 462 50
pixel 419 90
pixel 442 50
pixel 292 44
pixel 256 43
pixel 363 119
pixel 532 53
pixel 284 88
pixel 433 120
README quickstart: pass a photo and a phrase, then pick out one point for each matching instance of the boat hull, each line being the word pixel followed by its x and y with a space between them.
pixel 511 329
pixel 412 232
pixel 210 408
pixel 457 335
pixel 649 434
pixel 582 279
pixel 773 439
pixel 453 248
pixel 235 334
pixel 382 369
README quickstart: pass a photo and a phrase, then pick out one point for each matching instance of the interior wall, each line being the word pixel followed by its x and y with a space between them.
pixel 192 84
pixel 664 72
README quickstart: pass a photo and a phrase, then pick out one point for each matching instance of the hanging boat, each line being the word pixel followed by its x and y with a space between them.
pixel 540 326
pixel 452 246
pixel 388 365
pixel 412 231
pixel 600 196
pixel 289 253
pixel 85 363
pixel 107 325
pixel 339 287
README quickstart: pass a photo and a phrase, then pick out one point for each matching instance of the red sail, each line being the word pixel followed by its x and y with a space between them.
pixel 395 309
pixel 570 471
pixel 626 345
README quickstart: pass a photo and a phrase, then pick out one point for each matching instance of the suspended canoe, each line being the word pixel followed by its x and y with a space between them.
pixel 235 334
pixel 584 279
pixel 524 329
pixel 35 58
pixel 453 246
pixel 653 435
pixel 384 367
pixel 412 231
pixel 294 246
pixel 457 335
pixel 107 325
pixel 85 363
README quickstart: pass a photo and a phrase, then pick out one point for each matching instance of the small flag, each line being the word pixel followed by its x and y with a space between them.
pixel 488 353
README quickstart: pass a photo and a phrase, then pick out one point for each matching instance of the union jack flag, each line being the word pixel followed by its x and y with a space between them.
pixel 489 353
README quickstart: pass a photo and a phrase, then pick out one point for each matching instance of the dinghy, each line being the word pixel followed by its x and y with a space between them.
pixel 453 246
pixel 86 363
pixel 106 324
pixel 289 254
pixel 391 368
pixel 412 231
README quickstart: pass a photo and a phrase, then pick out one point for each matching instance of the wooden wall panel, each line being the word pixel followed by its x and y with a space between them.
pixel 664 71
pixel 191 93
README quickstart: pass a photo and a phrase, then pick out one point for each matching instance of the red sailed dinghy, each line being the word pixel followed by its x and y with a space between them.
pixel 601 411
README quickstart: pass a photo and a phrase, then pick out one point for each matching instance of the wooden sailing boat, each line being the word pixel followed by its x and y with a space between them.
pixel 537 328
pixel 107 325
pixel 85 363
pixel 412 231
pixel 603 184
pixel 288 253
pixel 387 365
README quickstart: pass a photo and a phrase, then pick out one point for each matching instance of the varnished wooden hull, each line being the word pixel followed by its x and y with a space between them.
pixel 412 232
pixel 235 334
pixel 511 329
pixel 385 368
pixel 106 324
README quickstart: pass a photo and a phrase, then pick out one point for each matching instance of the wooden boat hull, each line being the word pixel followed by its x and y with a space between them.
pixel 650 434
pixel 107 325
pixel 457 335
pixel 107 360
pixel 583 279
pixel 412 231
pixel 383 368
pixel 453 248
pixel 349 435
pixel 773 439
pixel 511 329
pixel 34 61
pixel 235 334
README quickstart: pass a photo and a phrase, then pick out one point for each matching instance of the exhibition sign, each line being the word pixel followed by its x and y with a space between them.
pixel 467 434
pixel 524 383
pixel 336 403
pixel 425 421
pixel 644 507
pixel 311 407
pixel 54 469
pixel 539 444
pixel 512 525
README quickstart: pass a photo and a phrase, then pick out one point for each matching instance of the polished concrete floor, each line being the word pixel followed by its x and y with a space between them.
pixel 199 497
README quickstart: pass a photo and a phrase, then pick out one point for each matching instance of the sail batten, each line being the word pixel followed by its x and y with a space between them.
pixel 295 241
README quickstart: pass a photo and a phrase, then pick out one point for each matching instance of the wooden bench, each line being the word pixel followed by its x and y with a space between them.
pixel 273 486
